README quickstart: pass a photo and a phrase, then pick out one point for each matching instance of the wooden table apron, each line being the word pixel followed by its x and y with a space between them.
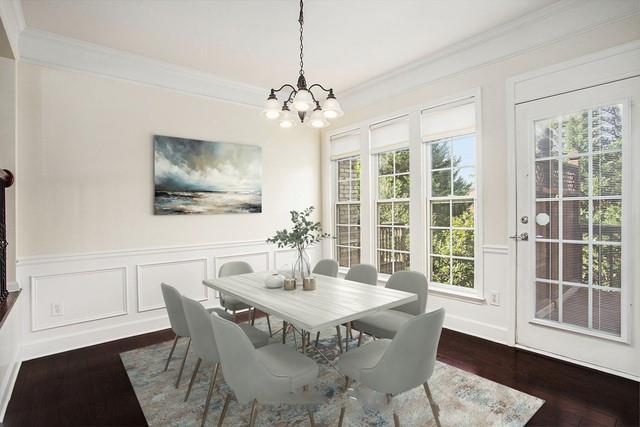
pixel 334 302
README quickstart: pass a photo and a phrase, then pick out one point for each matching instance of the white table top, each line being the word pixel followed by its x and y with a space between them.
pixel 333 302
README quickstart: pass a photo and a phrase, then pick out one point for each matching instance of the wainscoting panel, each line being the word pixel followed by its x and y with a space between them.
pixel 75 297
pixel 258 260
pixel 185 275
pixel 103 296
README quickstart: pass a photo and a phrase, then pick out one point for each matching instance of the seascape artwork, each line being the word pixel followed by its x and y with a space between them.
pixel 202 177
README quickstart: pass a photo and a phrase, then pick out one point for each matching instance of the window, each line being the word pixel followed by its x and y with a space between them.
pixel 347 231
pixel 392 211
pixel 451 204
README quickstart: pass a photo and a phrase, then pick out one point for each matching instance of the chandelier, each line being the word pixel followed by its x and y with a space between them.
pixel 300 99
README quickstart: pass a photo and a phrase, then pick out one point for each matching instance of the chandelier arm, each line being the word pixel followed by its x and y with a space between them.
pixel 284 86
pixel 320 86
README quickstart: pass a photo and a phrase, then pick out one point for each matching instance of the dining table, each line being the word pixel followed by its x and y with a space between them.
pixel 333 302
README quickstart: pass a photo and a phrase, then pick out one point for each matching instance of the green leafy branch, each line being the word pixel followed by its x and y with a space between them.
pixel 305 232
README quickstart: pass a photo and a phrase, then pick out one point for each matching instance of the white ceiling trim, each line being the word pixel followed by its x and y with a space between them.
pixel 13 21
pixel 552 23
pixel 57 51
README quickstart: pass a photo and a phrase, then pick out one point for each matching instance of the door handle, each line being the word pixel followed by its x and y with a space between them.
pixel 524 236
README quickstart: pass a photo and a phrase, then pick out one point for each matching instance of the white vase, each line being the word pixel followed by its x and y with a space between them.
pixel 274 281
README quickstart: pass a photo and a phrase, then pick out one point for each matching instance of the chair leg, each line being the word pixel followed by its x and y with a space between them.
pixel 396 420
pixel 186 352
pixel 360 338
pixel 339 334
pixel 224 409
pixel 193 377
pixel 317 338
pixel 206 403
pixel 341 419
pixel 349 336
pixel 284 332
pixel 347 383
pixel 253 316
pixel 269 325
pixel 434 406
pixel 254 413
pixel 173 347
pixel 311 420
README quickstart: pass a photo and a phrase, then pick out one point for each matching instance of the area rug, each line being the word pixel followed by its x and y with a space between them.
pixel 465 399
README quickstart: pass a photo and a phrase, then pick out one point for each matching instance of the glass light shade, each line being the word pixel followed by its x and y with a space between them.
pixel 317 120
pixel 303 101
pixel 332 109
pixel 271 109
pixel 286 119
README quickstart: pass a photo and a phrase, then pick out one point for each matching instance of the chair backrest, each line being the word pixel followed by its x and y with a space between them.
pixel 363 273
pixel 173 302
pixel 203 340
pixel 326 267
pixel 409 360
pixel 243 371
pixel 235 267
pixel 410 281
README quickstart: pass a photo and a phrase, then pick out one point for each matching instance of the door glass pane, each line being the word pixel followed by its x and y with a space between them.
pixel 547 260
pixel 605 307
pixel 575 219
pixel 579 228
pixel 575 303
pixel 547 301
pixel 607 220
pixel 575 177
pixel 547 220
pixel 546 138
pixel 547 179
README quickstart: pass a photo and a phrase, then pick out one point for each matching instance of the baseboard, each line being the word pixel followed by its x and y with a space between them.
pixel 7 388
pixel 486 331
pixel 62 343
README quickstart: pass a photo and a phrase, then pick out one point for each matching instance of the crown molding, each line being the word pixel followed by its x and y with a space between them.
pixel 53 50
pixel 13 21
pixel 545 26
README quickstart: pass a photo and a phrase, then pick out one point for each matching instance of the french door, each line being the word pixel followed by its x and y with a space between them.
pixel 578 199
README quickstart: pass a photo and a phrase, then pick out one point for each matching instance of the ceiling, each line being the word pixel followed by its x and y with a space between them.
pixel 347 42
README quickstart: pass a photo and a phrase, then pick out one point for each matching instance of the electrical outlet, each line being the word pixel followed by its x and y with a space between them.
pixel 494 298
pixel 57 309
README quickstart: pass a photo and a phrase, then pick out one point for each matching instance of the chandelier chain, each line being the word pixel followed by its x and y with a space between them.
pixel 301 21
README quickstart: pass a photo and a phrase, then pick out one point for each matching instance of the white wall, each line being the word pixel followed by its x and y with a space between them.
pixel 480 318
pixel 8 153
pixel 88 239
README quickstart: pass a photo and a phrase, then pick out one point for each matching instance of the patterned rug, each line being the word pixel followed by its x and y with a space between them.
pixel 465 399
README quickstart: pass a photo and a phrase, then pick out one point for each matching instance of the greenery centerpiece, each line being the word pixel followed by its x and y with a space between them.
pixel 305 233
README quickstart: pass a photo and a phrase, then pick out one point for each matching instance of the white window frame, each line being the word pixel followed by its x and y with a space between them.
pixel 336 202
pixel 477 290
pixel 376 201
pixel 418 214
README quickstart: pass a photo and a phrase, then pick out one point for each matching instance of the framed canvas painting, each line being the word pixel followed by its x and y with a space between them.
pixel 203 177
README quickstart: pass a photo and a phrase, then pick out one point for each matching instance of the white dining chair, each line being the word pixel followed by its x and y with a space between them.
pixel 204 343
pixel 232 303
pixel 326 267
pixel 399 365
pixel 273 374
pixel 386 323
pixel 173 303
pixel 361 273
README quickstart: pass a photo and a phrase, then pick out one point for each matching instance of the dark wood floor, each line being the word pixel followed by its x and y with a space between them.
pixel 89 386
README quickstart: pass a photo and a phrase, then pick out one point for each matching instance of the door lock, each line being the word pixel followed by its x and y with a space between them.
pixel 524 236
pixel 524 219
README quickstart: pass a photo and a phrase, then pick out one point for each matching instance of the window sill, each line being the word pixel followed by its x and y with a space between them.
pixel 458 295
